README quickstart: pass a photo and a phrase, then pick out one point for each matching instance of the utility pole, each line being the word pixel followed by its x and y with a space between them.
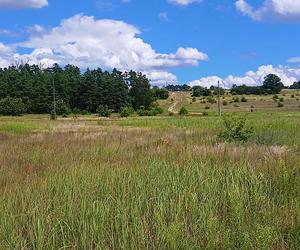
pixel 219 99
pixel 54 99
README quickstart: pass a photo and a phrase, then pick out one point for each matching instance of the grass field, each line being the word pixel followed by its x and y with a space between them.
pixel 289 98
pixel 150 183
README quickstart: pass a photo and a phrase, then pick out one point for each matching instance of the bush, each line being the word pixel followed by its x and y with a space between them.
pixel 126 111
pixel 62 108
pixel 244 99
pixel 154 110
pixel 236 99
pixel 183 111
pixel 281 99
pixel 225 103
pixel 12 106
pixel 194 99
pixel 103 111
pixel 205 113
pixel 275 97
pixel 206 107
pixel 211 100
pixel 280 105
pixel 235 129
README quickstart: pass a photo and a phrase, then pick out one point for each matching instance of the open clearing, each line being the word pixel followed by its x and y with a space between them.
pixel 289 98
pixel 158 183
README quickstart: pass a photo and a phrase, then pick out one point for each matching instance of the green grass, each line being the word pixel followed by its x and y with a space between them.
pixel 150 183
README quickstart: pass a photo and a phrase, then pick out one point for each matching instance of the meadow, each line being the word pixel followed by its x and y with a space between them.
pixel 165 182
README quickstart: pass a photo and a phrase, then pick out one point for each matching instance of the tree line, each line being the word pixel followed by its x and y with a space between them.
pixel 30 89
pixel 272 84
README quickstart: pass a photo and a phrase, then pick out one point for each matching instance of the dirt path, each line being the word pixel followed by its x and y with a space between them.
pixel 178 98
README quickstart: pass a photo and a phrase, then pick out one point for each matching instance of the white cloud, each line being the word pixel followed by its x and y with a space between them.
pixel 163 16
pixel 288 75
pixel 206 81
pixel 23 3
pixel 287 9
pixel 87 42
pixel 294 60
pixel 184 2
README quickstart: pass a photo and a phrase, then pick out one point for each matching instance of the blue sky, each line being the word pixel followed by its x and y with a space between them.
pixel 184 41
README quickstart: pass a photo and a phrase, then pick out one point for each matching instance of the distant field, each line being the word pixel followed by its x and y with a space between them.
pixel 291 102
pixel 165 182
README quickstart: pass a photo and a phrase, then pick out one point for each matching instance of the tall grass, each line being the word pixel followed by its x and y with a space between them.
pixel 147 187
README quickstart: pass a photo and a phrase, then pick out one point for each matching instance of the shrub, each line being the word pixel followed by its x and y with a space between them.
pixel 225 103
pixel 205 113
pixel 62 108
pixel 183 111
pixel 207 107
pixel 275 97
pixel 292 96
pixel 194 99
pixel 236 99
pixel 12 106
pixel 244 99
pixel 280 105
pixel 211 100
pixel 103 111
pixel 126 111
pixel 281 99
pixel 154 110
pixel 235 129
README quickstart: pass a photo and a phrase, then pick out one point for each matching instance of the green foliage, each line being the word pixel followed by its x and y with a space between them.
pixel 140 91
pixel 281 99
pixel 235 129
pixel 198 91
pixel 273 84
pixel 104 111
pixel 161 93
pixel 225 103
pixel 183 111
pixel 126 111
pixel 12 106
pixel 80 91
pixel 154 110
pixel 236 99
pixel 194 99
pixel 295 85
pixel 211 100
pixel 244 99
pixel 280 105
pixel 62 108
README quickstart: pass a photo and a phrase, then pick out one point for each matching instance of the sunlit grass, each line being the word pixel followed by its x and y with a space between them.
pixel 149 183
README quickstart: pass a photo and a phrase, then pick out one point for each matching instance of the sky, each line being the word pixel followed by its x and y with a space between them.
pixel 195 42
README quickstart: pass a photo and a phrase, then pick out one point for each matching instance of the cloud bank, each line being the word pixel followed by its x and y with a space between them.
pixel 87 42
pixel 20 4
pixel 282 9
pixel 288 75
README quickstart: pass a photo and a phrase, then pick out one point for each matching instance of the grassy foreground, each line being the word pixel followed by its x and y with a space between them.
pixel 151 183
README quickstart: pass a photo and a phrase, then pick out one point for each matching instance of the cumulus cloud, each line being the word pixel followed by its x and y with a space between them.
pixel 87 42
pixel 287 9
pixel 23 3
pixel 184 2
pixel 288 75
